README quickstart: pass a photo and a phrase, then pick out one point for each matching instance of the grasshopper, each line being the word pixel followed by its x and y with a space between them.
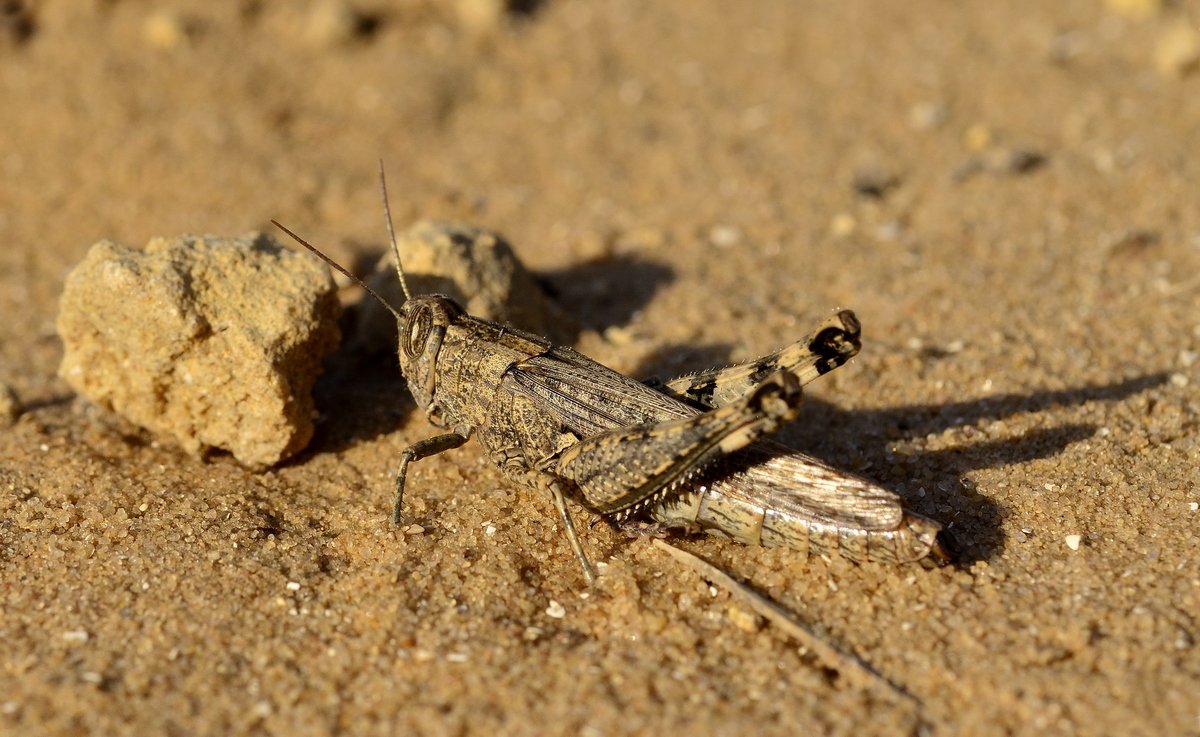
pixel 692 453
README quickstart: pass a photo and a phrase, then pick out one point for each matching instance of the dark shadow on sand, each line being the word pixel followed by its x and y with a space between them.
pixel 833 434
pixel 606 292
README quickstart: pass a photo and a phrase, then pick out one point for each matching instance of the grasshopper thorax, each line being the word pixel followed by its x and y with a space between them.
pixel 422 325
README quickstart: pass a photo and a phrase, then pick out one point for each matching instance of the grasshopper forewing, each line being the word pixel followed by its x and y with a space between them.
pixel 691 453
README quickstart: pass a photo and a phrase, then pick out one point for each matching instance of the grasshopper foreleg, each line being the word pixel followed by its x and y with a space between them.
pixel 417 451
pixel 624 470
pixel 834 342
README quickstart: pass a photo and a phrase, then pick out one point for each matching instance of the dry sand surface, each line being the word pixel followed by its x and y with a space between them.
pixel 1006 193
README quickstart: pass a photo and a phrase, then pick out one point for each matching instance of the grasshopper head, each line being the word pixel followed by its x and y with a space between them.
pixel 422 324
pixel 422 320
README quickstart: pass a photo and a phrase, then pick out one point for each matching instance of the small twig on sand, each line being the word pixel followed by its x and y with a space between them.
pixel 787 621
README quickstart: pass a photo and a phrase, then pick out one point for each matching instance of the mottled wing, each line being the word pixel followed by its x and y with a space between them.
pixel 773 476
pixel 587 397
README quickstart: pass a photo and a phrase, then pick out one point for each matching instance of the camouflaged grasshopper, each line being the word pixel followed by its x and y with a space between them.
pixel 687 454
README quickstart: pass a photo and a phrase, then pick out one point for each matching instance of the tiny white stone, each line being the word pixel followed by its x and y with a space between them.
pixel 293 586
pixel 456 657
pixel 725 236
pixel 1073 541
pixel 556 610
pixel 1193 506
pixel 80 636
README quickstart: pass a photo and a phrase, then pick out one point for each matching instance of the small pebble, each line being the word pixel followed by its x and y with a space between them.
pixel 1016 161
pixel 843 225
pixel 725 236
pixel 1177 53
pixel 977 137
pixel 1135 9
pixel 333 23
pixel 1073 541
pixel 874 181
pixel 743 620
pixel 164 30
pixel 927 116
pixel 480 15
pixel 293 586
pixel 556 610
pixel 78 636
pixel 414 529
pixel 1067 46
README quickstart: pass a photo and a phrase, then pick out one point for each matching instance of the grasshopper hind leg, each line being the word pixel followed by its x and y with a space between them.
pixel 831 344
pixel 630 468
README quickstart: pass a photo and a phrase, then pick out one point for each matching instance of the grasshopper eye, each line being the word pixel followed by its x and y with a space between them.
pixel 416 331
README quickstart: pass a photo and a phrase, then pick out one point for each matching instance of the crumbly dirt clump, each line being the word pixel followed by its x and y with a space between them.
pixel 215 342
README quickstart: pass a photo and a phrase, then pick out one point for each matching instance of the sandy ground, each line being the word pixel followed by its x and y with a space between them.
pixel 1005 192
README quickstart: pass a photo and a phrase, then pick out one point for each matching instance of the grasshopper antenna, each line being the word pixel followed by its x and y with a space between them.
pixel 342 269
pixel 387 213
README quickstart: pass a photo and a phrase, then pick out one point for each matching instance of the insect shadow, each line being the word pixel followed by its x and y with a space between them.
pixel 606 292
pixel 931 482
